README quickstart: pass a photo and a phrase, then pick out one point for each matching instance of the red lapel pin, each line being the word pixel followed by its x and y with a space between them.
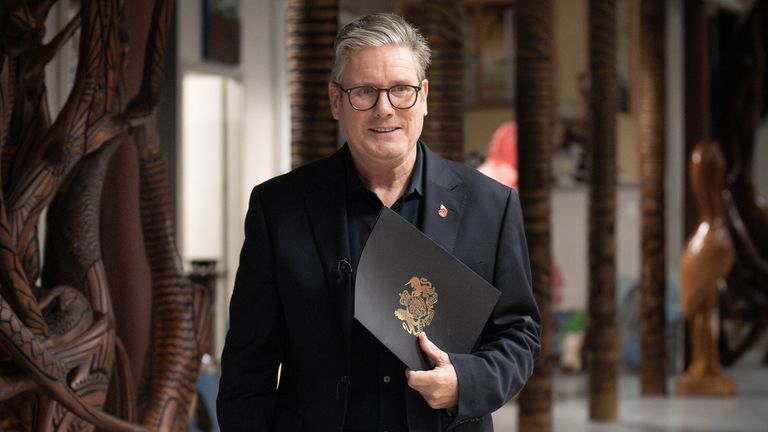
pixel 443 212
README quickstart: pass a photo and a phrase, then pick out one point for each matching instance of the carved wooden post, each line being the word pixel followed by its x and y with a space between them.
pixel 535 107
pixel 602 328
pixel 653 366
pixel 312 27
pixel 440 22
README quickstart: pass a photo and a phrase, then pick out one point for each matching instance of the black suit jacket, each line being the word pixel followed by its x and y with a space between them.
pixel 292 301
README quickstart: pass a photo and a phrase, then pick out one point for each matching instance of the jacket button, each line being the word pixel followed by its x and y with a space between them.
pixel 387 379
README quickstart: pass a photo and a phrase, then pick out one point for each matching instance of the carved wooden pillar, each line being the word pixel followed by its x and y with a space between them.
pixel 440 22
pixel 535 108
pixel 312 28
pixel 602 329
pixel 653 366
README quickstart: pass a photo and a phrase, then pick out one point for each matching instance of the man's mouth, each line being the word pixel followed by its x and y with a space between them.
pixel 383 129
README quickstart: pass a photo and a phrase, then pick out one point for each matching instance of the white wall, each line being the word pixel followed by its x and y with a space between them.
pixel 675 142
pixel 760 161
pixel 570 243
pixel 202 166
pixel 254 133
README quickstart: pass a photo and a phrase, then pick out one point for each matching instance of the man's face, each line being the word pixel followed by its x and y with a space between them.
pixel 383 134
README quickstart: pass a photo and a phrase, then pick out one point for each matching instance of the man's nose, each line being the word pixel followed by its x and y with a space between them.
pixel 383 107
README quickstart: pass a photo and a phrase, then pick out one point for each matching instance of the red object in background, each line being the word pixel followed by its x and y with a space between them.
pixel 501 165
pixel 501 162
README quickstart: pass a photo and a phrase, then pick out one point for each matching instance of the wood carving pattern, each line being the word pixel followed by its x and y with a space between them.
pixel 653 365
pixel 535 98
pixel 61 362
pixel 602 338
pixel 441 23
pixel 312 27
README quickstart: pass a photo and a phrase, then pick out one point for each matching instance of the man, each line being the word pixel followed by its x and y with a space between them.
pixel 291 310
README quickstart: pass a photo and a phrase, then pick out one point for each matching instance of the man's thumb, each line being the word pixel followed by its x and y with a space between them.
pixel 436 354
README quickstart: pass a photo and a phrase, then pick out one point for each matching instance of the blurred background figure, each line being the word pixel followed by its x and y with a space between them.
pixel 501 162
pixel 501 165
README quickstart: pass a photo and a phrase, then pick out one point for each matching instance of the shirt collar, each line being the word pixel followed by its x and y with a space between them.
pixel 415 183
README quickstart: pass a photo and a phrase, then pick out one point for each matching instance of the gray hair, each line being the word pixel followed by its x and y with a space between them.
pixel 379 30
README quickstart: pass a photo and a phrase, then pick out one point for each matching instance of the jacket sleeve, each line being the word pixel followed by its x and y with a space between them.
pixel 503 361
pixel 253 348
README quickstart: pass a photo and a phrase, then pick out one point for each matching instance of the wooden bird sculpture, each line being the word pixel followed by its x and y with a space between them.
pixel 708 257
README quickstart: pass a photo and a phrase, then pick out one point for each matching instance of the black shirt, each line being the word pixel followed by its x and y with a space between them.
pixel 376 399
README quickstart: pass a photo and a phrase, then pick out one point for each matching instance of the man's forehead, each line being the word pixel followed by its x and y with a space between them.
pixel 396 62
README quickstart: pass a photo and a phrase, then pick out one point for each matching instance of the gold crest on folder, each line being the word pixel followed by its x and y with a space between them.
pixel 419 305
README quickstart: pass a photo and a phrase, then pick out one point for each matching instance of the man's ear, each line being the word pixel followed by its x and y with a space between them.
pixel 424 91
pixel 335 97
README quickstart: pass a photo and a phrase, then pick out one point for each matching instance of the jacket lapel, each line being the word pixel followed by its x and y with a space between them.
pixel 326 208
pixel 443 188
pixel 327 212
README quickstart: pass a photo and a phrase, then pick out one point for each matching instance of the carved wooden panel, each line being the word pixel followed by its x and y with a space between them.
pixel 62 364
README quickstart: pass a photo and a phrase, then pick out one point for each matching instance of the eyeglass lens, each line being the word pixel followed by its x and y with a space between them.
pixel 364 98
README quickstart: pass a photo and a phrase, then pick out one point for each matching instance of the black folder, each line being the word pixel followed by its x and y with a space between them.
pixel 406 283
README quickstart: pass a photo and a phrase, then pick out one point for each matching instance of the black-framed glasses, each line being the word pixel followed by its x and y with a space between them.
pixel 363 98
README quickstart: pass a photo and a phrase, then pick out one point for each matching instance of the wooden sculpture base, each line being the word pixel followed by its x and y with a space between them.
pixel 710 385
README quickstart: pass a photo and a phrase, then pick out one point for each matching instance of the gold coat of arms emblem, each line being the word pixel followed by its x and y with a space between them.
pixel 419 305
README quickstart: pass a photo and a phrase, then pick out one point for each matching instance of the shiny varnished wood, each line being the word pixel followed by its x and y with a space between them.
pixel 707 259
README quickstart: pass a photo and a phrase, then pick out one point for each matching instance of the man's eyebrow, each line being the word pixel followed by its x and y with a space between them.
pixel 363 84
pixel 393 84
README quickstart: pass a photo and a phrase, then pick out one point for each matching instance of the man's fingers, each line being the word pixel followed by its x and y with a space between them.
pixel 438 387
pixel 437 355
pixel 409 375
pixel 425 379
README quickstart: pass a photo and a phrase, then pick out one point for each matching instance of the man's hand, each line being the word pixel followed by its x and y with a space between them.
pixel 439 386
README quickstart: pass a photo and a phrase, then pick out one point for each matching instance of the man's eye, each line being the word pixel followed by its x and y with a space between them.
pixel 401 89
pixel 364 91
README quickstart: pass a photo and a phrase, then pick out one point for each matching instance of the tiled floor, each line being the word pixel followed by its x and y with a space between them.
pixel 746 412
